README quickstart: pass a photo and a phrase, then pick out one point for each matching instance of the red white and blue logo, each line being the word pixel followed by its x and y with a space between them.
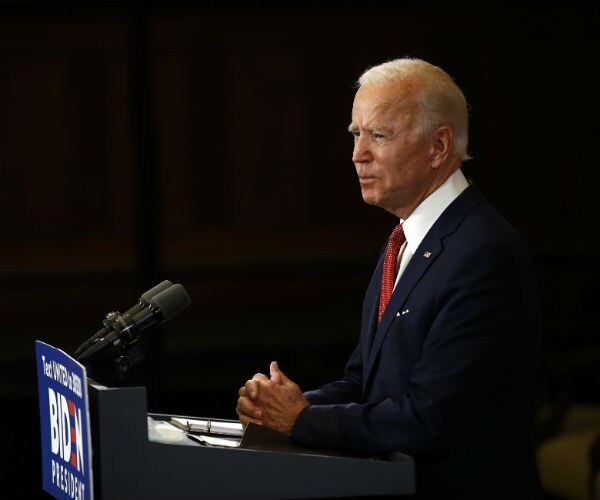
pixel 64 424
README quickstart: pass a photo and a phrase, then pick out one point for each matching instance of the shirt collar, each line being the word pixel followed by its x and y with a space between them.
pixel 419 222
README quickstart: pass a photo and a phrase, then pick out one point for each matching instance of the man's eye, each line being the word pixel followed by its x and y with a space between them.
pixel 379 136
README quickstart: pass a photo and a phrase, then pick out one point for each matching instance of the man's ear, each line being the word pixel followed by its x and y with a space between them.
pixel 441 145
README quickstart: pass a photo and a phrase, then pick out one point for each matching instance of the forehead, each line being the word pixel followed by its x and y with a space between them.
pixel 385 101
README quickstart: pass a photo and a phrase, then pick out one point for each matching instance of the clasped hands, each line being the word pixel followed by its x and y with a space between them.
pixel 273 402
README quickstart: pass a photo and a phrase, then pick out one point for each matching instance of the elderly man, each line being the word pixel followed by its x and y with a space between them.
pixel 446 365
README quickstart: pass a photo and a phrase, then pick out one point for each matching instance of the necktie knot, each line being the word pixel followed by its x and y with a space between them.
pixel 397 237
pixel 390 261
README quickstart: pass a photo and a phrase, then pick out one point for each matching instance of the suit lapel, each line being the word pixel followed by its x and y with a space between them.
pixel 417 266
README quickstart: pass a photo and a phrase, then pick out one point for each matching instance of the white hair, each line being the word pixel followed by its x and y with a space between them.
pixel 439 99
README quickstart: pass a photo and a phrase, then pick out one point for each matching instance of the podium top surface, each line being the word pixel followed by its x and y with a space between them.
pixel 265 465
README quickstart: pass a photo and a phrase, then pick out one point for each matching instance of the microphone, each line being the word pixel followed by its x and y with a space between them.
pixel 158 304
pixel 125 328
pixel 143 302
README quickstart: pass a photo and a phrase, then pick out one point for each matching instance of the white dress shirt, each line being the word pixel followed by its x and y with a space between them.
pixel 424 216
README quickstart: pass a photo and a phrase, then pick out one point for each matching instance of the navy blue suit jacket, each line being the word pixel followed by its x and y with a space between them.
pixel 449 376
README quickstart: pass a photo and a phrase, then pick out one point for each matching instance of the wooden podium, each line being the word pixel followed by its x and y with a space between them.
pixel 127 465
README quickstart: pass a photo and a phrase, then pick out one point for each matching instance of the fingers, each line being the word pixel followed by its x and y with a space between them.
pixel 277 375
pixel 249 403
pixel 246 407
pixel 259 377
pixel 250 389
pixel 273 402
pixel 246 419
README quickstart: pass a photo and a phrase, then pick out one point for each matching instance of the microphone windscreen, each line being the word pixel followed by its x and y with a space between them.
pixel 156 290
pixel 171 301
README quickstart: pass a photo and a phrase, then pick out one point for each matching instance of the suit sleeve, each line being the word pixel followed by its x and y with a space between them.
pixel 478 354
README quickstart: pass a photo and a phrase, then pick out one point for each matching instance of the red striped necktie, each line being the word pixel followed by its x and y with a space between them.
pixel 390 263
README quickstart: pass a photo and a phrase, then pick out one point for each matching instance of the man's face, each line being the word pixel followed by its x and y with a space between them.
pixel 391 157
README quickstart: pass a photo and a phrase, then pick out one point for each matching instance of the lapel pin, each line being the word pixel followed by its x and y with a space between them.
pixel 427 254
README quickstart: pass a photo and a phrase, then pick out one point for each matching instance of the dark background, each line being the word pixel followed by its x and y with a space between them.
pixel 206 143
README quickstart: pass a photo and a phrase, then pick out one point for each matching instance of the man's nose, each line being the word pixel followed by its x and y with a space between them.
pixel 361 152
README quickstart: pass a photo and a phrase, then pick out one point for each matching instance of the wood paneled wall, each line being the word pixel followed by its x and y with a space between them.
pixel 259 211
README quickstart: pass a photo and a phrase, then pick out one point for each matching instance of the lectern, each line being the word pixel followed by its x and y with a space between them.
pixel 127 465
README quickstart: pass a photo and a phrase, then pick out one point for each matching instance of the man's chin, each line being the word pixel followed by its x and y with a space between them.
pixel 369 198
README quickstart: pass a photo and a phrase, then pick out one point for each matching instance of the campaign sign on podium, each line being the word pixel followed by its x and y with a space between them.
pixel 64 424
